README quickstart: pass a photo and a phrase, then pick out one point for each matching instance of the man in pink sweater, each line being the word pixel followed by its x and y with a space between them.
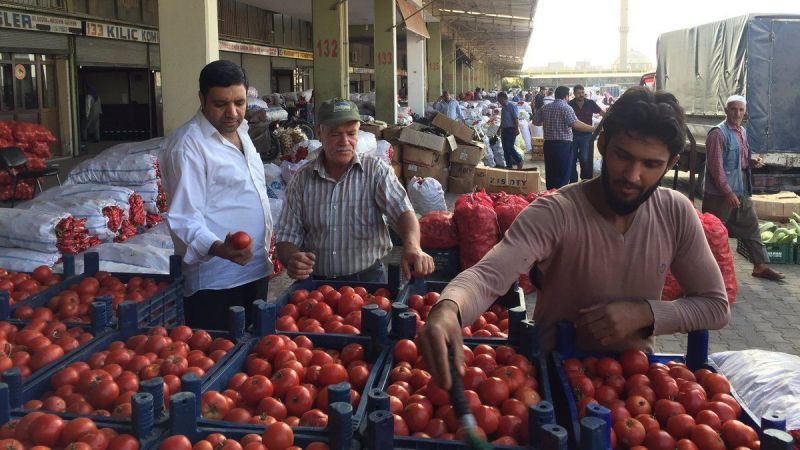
pixel 603 246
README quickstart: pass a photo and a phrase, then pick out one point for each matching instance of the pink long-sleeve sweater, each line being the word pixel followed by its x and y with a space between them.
pixel 586 261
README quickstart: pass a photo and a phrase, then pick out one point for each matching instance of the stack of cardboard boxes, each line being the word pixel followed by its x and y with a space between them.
pixel 467 154
pixel 426 154
pixel 538 149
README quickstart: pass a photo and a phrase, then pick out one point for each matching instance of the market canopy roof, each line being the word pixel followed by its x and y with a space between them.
pixel 496 32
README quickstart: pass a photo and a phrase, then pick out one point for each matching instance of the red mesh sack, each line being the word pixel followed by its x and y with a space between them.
pixel 717 238
pixel 508 210
pixel 114 216
pixel 477 226
pixel 438 231
pixel 136 213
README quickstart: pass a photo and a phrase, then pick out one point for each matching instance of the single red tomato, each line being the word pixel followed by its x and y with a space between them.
pixel 241 240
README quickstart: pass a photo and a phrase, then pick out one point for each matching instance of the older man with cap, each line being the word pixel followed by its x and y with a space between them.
pixel 333 224
pixel 728 184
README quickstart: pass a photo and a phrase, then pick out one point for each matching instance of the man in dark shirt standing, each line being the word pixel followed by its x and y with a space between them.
pixel 538 101
pixel 582 142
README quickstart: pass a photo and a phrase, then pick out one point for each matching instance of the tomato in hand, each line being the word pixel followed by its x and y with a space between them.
pixel 241 240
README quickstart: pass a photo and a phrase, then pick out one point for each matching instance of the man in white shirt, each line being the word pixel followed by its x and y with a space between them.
pixel 449 107
pixel 215 184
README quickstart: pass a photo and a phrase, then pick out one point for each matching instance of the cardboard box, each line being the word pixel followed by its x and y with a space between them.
pixel 509 181
pixel 392 132
pixel 460 185
pixel 398 170
pixel 417 138
pixel 422 156
pixel 415 170
pixel 470 154
pixel 461 171
pixel 455 127
pixel 374 128
pixel 778 206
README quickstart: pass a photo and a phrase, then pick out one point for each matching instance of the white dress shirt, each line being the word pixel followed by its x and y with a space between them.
pixel 213 189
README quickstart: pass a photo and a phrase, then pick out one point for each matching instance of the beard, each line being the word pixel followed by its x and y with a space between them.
pixel 619 206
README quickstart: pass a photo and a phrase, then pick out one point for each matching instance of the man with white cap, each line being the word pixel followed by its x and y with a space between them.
pixel 728 184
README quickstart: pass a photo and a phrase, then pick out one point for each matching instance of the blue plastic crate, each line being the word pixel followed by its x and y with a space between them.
pixel 185 422
pixel 142 426
pixel 447 263
pixel 513 300
pixel 529 349
pixel 165 308
pixel 309 284
pixel 566 407
pixel 37 385
pixel 374 352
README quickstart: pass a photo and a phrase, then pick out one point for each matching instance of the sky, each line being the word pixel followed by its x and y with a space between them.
pixel 556 39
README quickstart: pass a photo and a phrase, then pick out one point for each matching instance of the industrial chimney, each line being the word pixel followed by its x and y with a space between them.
pixel 623 35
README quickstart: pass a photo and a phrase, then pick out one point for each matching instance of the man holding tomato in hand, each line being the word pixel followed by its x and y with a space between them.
pixel 603 247
pixel 215 184
pixel 332 224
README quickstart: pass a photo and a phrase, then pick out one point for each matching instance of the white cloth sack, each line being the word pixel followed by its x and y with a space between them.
pixel 275 207
pixel 288 169
pixel 80 208
pixel 275 186
pixel 24 260
pixel 151 146
pixel 149 194
pixel 119 194
pixel 380 152
pixel 117 170
pixel 367 143
pixel 33 230
pixel 768 382
pixel 499 156
pixel 126 258
pixel 537 131
pixel 525 131
pixel 426 195
pixel 158 237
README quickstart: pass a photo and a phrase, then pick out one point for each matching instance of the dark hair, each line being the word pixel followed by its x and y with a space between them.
pixel 221 74
pixel 502 96
pixel 577 87
pixel 562 92
pixel 647 114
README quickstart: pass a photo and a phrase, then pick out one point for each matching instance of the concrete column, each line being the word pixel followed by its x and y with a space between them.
pixel 415 46
pixel 434 57
pixel 459 79
pixel 449 65
pixel 331 50
pixel 385 62
pixel 186 45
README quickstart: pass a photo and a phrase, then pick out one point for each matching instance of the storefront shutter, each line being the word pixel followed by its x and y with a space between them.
pixel 107 52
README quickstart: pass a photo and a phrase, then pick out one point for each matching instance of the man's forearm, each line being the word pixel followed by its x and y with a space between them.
pixel 285 250
pixel 408 228
pixel 580 126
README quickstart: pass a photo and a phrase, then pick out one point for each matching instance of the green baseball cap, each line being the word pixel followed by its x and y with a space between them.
pixel 337 111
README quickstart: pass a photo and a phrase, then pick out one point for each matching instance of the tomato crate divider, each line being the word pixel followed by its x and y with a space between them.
pixel 377 427
pixel 375 350
pixel 310 284
pixel 513 300
pixel 185 422
pixel 164 308
pixel 566 408
pixel 37 385
pixel 142 426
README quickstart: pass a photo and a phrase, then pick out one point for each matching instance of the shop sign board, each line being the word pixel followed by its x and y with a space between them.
pixel 39 22
pixel 296 54
pixel 120 32
pixel 238 47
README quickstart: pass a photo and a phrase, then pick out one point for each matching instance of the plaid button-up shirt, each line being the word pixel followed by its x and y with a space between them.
pixel 342 222
pixel 556 119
